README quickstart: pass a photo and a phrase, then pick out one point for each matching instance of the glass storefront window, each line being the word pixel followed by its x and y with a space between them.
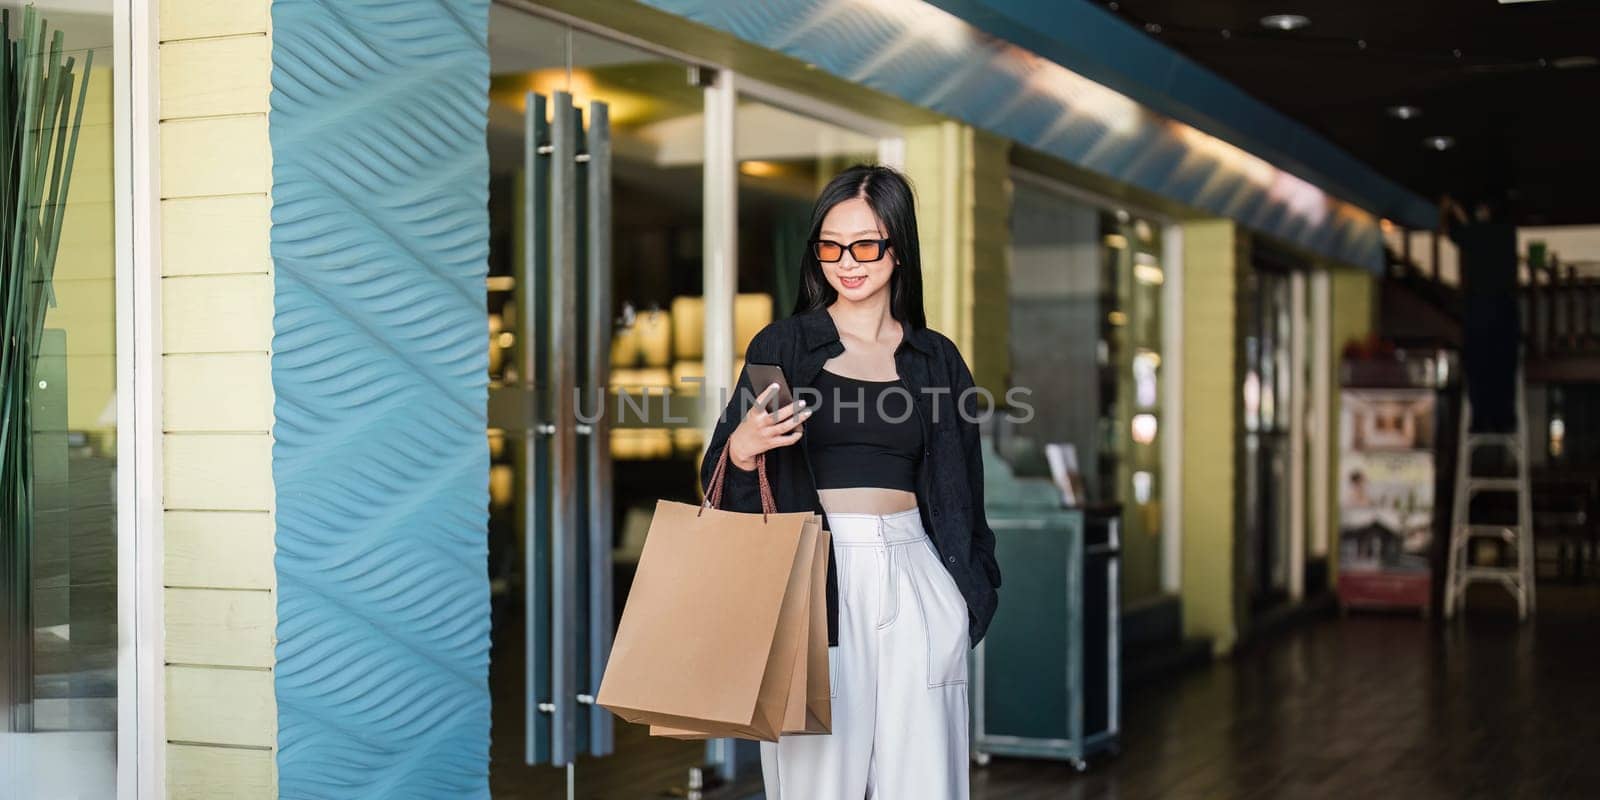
pixel 58 597
pixel 1269 318
pixel 785 158
pixel 1132 283
pixel 1086 339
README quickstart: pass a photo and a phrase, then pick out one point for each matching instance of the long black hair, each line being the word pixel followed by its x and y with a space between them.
pixel 888 194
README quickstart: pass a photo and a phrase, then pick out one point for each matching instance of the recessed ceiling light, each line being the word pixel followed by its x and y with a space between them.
pixel 1404 112
pixel 1440 143
pixel 1285 22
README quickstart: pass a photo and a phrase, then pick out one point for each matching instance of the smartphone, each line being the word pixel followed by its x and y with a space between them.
pixel 764 375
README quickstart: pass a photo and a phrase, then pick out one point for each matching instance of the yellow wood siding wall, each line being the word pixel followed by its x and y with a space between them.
pixel 1353 296
pixel 960 178
pixel 938 159
pixel 989 351
pixel 216 179
pixel 1210 292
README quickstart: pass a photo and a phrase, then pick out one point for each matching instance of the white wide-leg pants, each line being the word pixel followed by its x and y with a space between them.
pixel 899 676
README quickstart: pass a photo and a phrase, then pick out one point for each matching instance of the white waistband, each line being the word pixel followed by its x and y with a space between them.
pixel 901 526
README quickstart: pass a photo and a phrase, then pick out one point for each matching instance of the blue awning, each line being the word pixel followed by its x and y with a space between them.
pixel 1069 79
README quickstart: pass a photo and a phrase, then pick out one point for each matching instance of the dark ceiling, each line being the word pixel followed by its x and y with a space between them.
pixel 1516 85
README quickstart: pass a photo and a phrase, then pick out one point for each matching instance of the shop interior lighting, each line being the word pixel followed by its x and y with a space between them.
pixel 1404 112
pixel 1440 143
pixel 1144 428
pixel 1285 22
pixel 1143 482
pixel 759 169
pixel 1145 388
pixel 1147 271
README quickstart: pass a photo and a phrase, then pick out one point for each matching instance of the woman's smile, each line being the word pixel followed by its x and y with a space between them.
pixel 852 281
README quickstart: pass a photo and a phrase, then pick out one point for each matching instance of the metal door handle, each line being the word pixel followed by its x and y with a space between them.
pixel 597 168
pixel 561 341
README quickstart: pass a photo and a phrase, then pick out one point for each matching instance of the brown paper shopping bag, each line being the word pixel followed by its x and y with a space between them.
pixel 819 683
pixel 703 644
pixel 809 708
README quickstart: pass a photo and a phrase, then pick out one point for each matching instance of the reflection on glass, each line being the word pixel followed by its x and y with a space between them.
pixel 1133 280
pixel 785 158
pixel 1145 365
pixel 1086 340
pixel 1142 483
pixel 1268 317
pixel 1252 400
pixel 58 650
pixel 1144 428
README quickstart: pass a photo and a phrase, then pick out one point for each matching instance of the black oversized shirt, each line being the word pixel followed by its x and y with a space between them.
pixel 949 477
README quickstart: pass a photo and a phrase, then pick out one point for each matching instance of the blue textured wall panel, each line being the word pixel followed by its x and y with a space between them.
pixel 380 246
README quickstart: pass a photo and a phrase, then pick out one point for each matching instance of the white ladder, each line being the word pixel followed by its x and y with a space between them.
pixel 1460 573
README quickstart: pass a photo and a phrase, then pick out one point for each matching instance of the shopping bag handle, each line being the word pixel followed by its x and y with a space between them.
pixel 720 474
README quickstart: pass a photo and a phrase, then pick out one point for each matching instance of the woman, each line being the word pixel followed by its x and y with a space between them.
pixel 889 454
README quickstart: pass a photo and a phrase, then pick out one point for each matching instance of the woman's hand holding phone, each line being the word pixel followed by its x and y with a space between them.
pixel 762 430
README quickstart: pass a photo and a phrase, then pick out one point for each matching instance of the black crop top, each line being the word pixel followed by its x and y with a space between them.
pixel 863 434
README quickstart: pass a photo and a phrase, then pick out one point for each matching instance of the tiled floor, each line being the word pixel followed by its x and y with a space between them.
pixel 1364 707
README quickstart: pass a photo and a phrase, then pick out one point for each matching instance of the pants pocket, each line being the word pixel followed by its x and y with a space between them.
pixel 833 672
pixel 944 619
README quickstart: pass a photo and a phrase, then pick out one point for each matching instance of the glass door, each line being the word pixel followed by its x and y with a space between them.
pixel 596 178
pixel 59 515
pixel 1273 319
pixel 600 280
